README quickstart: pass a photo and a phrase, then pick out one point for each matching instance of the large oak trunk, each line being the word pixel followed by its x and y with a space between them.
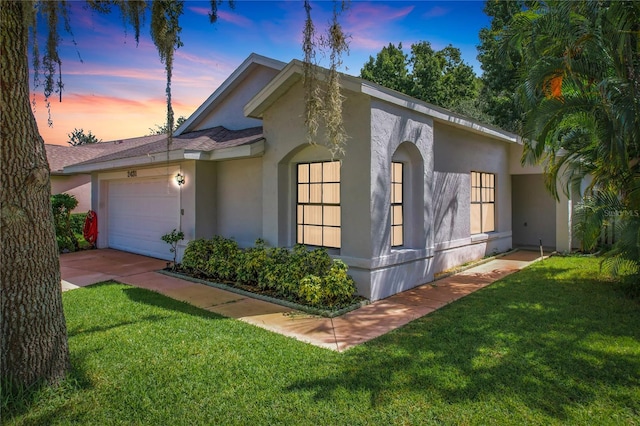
pixel 34 336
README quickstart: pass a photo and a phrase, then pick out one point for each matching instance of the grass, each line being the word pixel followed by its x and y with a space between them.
pixel 556 343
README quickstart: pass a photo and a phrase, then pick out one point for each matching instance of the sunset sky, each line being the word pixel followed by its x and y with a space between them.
pixel 116 89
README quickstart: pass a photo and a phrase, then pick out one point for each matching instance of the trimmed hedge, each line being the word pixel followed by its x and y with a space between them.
pixel 309 277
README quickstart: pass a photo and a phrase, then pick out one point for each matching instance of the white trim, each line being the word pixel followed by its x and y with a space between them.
pixel 249 150
pixel 141 160
pixel 473 239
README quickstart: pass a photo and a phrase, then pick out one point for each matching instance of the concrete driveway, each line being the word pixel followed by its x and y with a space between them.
pixel 89 267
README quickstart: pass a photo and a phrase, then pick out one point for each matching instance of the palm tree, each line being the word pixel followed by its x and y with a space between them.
pixel 581 91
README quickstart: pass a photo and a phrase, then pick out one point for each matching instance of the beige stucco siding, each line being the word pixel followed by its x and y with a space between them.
pixel 534 212
pixel 204 200
pixel 286 145
pixel 229 111
pixel 238 199
pixel 77 185
pixel 456 154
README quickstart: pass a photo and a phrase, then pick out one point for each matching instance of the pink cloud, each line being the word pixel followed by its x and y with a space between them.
pixel 200 10
pixel 366 22
pixel 234 18
pixel 371 14
pixel 223 15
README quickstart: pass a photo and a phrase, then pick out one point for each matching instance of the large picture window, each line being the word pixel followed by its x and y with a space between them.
pixel 397 214
pixel 483 202
pixel 318 206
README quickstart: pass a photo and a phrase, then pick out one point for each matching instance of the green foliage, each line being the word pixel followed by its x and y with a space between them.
pixel 223 262
pixel 332 288
pixel 338 286
pixel 390 68
pixel 162 129
pixel 217 258
pixel 438 77
pixel 62 205
pixel 77 222
pixel 196 256
pixel 554 344
pixel 173 238
pixel 292 274
pixel 580 88
pixel 323 101
pixel 79 137
pixel 252 262
pixel 275 275
pixel 500 68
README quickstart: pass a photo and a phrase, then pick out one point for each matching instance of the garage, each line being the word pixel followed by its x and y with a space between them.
pixel 140 212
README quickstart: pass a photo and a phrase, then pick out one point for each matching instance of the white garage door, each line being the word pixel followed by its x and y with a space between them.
pixel 140 212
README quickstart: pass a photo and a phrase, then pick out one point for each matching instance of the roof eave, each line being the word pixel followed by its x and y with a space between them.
pixel 438 114
pixel 141 160
pixel 292 73
pixel 252 149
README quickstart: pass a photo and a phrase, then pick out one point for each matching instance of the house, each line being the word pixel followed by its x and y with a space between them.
pixel 79 184
pixel 419 190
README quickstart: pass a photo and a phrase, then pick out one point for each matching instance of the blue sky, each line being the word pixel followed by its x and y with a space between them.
pixel 117 90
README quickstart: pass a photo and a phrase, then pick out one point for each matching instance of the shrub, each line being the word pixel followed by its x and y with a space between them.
pixel 196 255
pixel 77 222
pixel 338 286
pixel 311 290
pixel 309 276
pixel 335 288
pixel 223 262
pixel 274 273
pixel 173 238
pixel 251 263
pixel 61 206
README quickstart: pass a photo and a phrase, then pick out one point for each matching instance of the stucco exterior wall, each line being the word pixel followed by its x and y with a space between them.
pixel 205 201
pixel 286 145
pixel 238 199
pixel 456 154
pixel 76 185
pixel 399 134
pixel 534 212
pixel 515 164
pixel 229 112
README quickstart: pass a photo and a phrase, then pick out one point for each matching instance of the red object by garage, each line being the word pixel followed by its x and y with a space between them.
pixel 90 230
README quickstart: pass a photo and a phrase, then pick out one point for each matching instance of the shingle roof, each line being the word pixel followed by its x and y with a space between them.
pixel 60 156
pixel 201 140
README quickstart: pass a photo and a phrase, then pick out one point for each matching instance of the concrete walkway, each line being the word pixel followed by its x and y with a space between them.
pixel 89 267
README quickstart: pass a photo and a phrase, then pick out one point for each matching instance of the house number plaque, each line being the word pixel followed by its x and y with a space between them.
pixel 132 173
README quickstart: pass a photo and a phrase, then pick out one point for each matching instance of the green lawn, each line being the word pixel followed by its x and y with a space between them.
pixel 553 344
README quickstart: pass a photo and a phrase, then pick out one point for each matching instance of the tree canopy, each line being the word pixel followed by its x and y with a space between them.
pixel 580 90
pixel 500 72
pixel 79 137
pixel 161 129
pixel 439 77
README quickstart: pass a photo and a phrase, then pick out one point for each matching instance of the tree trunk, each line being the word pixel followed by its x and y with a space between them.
pixel 34 335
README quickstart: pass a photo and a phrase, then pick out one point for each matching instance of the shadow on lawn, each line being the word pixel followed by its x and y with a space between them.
pixel 531 339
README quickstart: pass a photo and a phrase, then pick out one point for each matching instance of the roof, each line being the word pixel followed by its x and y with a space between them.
pixel 292 73
pixel 248 65
pixel 210 144
pixel 60 156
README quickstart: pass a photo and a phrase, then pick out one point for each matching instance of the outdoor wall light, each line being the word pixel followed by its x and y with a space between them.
pixel 180 179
